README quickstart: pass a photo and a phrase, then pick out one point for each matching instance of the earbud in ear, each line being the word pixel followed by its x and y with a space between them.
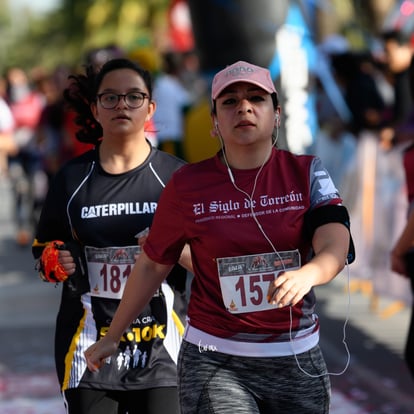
pixel 214 131
pixel 277 117
pixel 216 128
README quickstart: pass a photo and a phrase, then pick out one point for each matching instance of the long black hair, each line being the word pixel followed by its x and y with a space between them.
pixel 82 90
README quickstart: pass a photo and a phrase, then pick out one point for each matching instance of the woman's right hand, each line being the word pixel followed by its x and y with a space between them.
pixel 97 353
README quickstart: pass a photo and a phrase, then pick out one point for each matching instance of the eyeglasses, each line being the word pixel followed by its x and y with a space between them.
pixel 110 100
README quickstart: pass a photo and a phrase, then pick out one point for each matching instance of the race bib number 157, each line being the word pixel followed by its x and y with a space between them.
pixel 244 280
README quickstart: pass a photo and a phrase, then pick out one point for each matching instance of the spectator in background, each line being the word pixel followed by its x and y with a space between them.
pixel 26 105
pixel 56 129
pixel 334 143
pixel 8 146
pixel 369 189
pixel 355 72
pixel 191 76
pixel 336 147
pixel 172 101
pixel 398 53
pixel 402 254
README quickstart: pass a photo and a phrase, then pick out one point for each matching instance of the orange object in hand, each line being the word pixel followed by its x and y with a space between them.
pixel 50 270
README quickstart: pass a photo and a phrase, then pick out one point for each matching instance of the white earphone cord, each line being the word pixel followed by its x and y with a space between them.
pixel 250 198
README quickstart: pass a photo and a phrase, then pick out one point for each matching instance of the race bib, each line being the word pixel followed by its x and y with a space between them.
pixel 109 268
pixel 244 280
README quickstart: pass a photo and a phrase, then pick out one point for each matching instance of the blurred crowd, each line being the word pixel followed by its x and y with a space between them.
pixel 37 131
pixel 364 130
pixel 39 136
pixel 362 140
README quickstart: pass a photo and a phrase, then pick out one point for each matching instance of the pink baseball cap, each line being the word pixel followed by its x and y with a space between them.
pixel 242 72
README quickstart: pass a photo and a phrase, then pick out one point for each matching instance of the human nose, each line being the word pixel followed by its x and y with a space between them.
pixel 121 101
pixel 244 106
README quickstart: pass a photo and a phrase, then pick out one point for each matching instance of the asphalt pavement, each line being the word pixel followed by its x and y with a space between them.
pixel 374 381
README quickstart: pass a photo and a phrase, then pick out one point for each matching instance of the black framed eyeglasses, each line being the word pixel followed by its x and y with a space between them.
pixel 110 100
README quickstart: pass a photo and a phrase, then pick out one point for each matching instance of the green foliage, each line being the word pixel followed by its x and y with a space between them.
pixel 67 33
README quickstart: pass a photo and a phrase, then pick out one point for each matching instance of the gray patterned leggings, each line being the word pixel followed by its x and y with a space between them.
pixel 216 383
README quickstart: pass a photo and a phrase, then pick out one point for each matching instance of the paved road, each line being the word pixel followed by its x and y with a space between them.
pixel 27 311
pixel 376 381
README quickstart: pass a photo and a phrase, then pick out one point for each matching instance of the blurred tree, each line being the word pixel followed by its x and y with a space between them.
pixel 335 16
pixel 375 12
pixel 5 27
pixel 65 34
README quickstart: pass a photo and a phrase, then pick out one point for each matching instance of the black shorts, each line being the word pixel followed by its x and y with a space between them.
pixel 150 401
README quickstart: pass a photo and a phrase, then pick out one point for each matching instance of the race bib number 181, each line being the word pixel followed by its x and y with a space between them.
pixel 244 280
pixel 109 268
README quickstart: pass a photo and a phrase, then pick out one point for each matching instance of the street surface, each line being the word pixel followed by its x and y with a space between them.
pixel 376 381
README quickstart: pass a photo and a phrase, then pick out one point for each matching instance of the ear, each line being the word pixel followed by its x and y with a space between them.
pixel 94 111
pixel 214 120
pixel 214 130
pixel 277 118
pixel 151 110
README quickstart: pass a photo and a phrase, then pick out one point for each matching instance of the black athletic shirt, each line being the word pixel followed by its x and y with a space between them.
pixel 103 212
